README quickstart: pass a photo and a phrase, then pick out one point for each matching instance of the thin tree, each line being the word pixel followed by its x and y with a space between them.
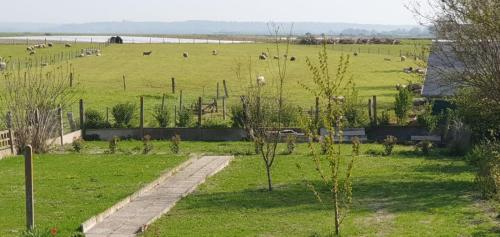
pixel 263 103
pixel 32 97
pixel 332 90
pixel 469 34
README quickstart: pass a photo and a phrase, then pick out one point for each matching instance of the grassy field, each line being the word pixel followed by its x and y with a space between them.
pixel 71 188
pixel 402 195
pixel 100 81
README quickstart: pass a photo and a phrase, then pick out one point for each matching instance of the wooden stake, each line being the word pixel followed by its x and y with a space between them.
pixel 225 88
pixel 61 128
pixel 374 101
pixel 199 112
pixel 141 120
pixel 124 83
pixel 28 181
pixel 223 108
pixel 173 85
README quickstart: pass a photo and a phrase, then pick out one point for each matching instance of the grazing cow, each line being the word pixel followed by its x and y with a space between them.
pixel 262 57
pixel 67 45
pixel 408 69
pixel 293 58
pixel 50 44
pixel 387 59
pixel 147 53
pixel 44 64
pixel 276 57
pixel 214 52
pixel 355 54
pixel 403 58
pixel 33 52
pixel 185 54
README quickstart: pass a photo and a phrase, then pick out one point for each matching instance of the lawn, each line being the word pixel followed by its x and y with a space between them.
pixel 100 79
pixel 405 194
pixel 70 188
pixel 402 195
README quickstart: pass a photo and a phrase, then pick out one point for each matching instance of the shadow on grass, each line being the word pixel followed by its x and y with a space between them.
pixel 393 196
pixel 448 168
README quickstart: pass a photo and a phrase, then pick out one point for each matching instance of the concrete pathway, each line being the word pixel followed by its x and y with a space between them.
pixel 150 205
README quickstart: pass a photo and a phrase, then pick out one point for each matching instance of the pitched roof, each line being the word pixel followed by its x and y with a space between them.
pixel 443 65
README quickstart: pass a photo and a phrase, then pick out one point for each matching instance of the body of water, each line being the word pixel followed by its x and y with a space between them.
pixel 126 39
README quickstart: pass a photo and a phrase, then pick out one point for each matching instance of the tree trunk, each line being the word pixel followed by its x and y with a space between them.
pixel 336 210
pixel 269 183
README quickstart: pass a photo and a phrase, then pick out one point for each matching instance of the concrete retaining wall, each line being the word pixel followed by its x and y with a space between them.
pixel 403 133
pixel 186 134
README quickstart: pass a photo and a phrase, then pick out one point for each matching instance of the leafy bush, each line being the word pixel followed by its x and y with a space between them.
pixel 403 104
pixel 427 119
pixel 290 143
pixel 123 114
pixel 215 123
pixel 237 116
pixel 424 146
pixel 39 233
pixel 175 142
pixel 94 119
pixel 384 118
pixel 289 115
pixel 78 144
pixel 185 118
pixel 355 116
pixel 162 116
pixel 113 144
pixel 459 138
pixel 486 156
pixel 147 145
pixel 389 143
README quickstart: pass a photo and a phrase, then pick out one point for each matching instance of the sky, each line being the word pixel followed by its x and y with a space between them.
pixel 83 11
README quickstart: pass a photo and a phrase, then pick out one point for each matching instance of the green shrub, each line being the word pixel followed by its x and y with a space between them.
pixel 403 104
pixel 237 116
pixel 94 119
pixel 175 142
pixel 78 144
pixel 147 144
pixel 459 138
pixel 290 143
pixel 355 116
pixel 215 123
pixel 427 119
pixel 389 143
pixel 36 232
pixel 486 156
pixel 185 118
pixel 424 146
pixel 113 144
pixel 162 116
pixel 384 118
pixel 123 114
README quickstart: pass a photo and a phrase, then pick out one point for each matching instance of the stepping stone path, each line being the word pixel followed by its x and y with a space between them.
pixel 142 210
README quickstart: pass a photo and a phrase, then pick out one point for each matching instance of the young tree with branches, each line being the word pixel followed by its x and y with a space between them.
pixel 32 98
pixel 263 103
pixel 333 90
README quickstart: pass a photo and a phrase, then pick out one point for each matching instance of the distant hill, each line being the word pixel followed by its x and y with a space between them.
pixel 216 27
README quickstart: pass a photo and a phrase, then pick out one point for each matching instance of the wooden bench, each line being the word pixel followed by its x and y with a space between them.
pixel 348 134
pixel 431 138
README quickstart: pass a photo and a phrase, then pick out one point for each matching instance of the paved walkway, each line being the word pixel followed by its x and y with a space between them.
pixel 148 206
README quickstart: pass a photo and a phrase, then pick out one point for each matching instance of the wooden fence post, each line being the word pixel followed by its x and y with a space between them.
pixel 124 83
pixel 374 105
pixel 82 117
pixel 370 111
pixel 225 88
pixel 217 90
pixel 11 134
pixel 216 106
pixel 180 101
pixel 223 108
pixel 173 85
pixel 107 114
pixel 199 112
pixel 141 120
pixel 61 125
pixel 28 174
pixel 71 79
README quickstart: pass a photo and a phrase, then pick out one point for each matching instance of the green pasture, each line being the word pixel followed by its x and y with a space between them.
pixel 100 79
